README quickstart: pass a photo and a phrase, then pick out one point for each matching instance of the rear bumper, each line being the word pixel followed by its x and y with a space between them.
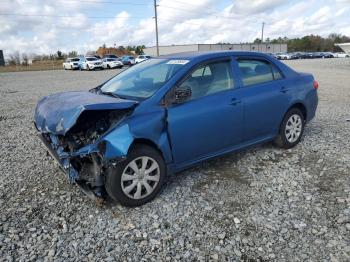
pixel 312 106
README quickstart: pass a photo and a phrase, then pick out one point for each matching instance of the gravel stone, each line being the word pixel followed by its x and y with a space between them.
pixel 260 204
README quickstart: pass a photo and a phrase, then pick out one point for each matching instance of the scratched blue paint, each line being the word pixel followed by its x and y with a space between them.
pixel 118 142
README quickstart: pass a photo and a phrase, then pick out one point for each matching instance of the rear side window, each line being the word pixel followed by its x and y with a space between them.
pixel 254 71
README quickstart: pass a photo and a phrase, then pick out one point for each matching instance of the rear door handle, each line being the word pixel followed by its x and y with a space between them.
pixel 235 101
pixel 284 90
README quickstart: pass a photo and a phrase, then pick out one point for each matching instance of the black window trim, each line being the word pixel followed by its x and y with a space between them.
pixel 272 64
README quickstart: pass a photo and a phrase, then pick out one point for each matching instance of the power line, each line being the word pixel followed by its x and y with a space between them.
pixel 103 2
pixel 72 16
pixel 106 2
pixel 216 13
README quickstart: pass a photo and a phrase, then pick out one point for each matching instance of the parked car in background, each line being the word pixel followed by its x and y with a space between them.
pixel 284 56
pixel 141 58
pixel 110 56
pixel 111 63
pixel 168 113
pixel 90 63
pixel 71 63
pixel 327 55
pixel 128 60
pixel 272 54
pixel 341 55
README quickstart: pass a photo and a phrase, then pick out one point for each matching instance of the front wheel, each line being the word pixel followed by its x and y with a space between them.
pixel 138 179
pixel 291 129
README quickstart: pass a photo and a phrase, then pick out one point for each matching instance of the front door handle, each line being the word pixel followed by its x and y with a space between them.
pixel 235 101
pixel 284 90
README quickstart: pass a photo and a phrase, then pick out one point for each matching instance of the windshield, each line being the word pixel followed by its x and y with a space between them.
pixel 91 59
pixel 75 59
pixel 111 59
pixel 143 79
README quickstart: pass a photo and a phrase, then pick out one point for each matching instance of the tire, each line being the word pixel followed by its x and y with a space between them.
pixel 108 67
pixel 288 139
pixel 120 190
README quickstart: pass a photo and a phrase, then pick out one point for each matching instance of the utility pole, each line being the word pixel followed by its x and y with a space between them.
pixel 262 32
pixel 156 21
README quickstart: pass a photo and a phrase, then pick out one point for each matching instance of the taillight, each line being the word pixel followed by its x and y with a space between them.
pixel 315 84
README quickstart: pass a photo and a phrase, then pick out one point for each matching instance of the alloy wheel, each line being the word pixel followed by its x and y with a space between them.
pixel 293 128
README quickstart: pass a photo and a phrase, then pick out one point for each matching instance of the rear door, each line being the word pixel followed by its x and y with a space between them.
pixel 210 121
pixel 266 97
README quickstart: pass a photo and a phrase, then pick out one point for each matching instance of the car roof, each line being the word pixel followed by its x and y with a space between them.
pixel 210 54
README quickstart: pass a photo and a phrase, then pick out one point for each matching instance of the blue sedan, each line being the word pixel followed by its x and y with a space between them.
pixel 168 113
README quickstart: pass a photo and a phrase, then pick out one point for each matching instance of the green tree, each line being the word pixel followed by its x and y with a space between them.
pixel 257 41
pixel 59 54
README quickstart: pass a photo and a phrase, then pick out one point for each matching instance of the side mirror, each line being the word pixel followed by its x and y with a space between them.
pixel 182 94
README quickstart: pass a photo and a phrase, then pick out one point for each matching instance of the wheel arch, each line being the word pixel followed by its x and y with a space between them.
pixel 298 105
pixel 301 107
pixel 149 142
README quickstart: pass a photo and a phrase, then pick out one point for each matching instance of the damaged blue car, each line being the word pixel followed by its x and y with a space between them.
pixel 122 138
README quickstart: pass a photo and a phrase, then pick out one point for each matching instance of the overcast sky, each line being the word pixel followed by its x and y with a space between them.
pixel 128 22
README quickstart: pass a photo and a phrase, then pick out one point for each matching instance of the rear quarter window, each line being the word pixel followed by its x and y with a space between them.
pixel 254 71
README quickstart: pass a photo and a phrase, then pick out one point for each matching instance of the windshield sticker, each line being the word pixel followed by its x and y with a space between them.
pixel 177 62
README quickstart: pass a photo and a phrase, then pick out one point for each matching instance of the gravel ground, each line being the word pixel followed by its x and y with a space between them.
pixel 262 204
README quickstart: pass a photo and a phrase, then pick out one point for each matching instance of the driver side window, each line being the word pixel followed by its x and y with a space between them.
pixel 209 79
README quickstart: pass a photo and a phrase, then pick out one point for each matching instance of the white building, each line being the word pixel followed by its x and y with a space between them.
pixel 171 49
pixel 345 47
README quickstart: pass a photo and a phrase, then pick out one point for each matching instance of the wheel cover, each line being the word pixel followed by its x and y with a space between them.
pixel 293 128
pixel 140 177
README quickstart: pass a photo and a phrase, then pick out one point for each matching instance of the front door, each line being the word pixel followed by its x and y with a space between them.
pixel 210 121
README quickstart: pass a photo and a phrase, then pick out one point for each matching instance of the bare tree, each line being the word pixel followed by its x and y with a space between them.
pixel 25 59
pixel 15 58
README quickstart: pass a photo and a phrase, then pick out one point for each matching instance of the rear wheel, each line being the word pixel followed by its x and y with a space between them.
pixel 138 179
pixel 291 129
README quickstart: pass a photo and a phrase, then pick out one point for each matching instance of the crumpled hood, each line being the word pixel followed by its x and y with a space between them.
pixel 58 113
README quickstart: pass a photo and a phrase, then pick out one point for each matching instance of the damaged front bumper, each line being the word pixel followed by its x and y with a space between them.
pixel 91 181
pixel 62 158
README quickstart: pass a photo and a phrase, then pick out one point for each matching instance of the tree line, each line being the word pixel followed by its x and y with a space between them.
pixel 308 43
pixel 311 43
pixel 17 58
